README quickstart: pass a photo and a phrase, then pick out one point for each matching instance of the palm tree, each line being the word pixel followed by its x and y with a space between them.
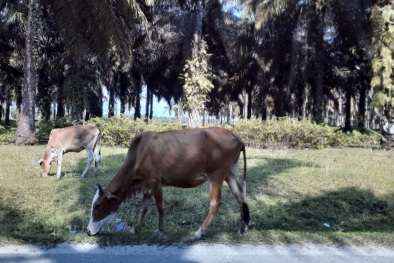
pixel 51 53
pixel 312 25
pixel 11 42
pixel 25 133
pixel 88 26
pixel 382 70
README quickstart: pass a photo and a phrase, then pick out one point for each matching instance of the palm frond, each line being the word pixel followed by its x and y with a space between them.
pixel 91 26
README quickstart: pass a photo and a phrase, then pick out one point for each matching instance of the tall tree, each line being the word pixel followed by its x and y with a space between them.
pixel 382 64
pixel 312 23
pixel 26 131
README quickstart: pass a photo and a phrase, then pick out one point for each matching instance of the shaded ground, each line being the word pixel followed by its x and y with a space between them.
pixel 195 253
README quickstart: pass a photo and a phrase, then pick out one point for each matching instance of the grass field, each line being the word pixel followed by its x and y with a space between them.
pixel 331 196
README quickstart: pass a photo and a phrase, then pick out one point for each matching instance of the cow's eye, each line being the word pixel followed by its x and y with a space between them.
pixel 97 206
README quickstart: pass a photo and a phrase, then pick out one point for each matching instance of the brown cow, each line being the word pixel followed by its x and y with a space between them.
pixel 184 158
pixel 71 139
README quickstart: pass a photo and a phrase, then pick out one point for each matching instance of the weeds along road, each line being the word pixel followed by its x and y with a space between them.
pixel 215 253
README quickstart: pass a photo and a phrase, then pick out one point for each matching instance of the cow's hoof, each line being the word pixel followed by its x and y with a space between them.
pixel 195 237
pixel 198 234
pixel 157 233
pixel 243 229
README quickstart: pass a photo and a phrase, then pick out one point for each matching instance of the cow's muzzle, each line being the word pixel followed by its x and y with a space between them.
pixel 88 232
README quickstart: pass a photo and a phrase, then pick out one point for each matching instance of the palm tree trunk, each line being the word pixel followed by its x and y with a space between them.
pixel 26 131
pixel 348 112
pixel 137 113
pixel 60 97
pixel 151 105
pixel 249 106
pixel 148 91
pixel 318 107
pixel 195 114
pixel 7 107
pixel 123 86
pixel 362 109
pixel 44 96
pixel 111 102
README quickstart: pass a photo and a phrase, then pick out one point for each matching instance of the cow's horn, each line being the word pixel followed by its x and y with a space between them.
pixel 100 189
pixel 97 187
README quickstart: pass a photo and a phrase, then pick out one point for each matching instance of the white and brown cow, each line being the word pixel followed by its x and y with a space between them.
pixel 184 158
pixel 72 139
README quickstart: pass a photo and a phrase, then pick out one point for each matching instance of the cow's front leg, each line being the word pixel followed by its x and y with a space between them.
pixel 158 194
pixel 59 165
pixel 144 208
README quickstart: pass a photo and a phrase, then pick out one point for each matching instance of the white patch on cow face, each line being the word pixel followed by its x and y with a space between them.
pixel 95 227
pixel 46 166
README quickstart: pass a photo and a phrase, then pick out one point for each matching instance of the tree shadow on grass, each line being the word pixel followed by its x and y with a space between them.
pixel 183 214
pixel 345 210
pixel 19 225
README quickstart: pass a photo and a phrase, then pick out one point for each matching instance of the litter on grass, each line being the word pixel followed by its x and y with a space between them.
pixel 119 227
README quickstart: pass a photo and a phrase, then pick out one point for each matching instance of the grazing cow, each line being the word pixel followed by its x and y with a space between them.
pixel 184 158
pixel 71 139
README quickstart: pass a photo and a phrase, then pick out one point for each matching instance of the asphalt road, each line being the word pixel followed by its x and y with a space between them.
pixel 195 253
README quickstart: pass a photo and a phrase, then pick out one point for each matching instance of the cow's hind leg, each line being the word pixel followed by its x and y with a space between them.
pixel 236 189
pixel 90 160
pixel 144 208
pixel 216 201
pixel 158 194
pixel 97 159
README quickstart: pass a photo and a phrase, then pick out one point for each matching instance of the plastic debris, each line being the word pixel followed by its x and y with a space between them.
pixel 73 232
pixel 118 220
pixel 119 227
pixel 326 224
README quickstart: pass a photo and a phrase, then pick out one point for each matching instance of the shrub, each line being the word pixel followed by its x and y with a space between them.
pixel 6 134
pixel 44 128
pixel 289 133
pixel 119 130
pixel 282 133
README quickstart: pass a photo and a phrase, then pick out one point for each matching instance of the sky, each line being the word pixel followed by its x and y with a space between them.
pixel 160 109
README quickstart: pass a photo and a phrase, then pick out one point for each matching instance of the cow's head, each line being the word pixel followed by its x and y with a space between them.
pixel 46 162
pixel 103 211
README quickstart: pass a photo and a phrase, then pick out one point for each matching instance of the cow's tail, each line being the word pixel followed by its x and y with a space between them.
pixel 245 208
pixel 244 155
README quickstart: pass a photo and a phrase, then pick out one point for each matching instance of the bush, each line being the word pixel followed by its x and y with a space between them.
pixel 6 134
pixel 44 128
pixel 283 133
pixel 119 130
pixel 289 133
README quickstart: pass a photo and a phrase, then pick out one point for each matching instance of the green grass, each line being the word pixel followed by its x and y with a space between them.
pixel 291 194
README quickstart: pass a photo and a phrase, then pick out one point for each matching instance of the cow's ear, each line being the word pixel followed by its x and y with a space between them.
pixel 114 198
pixel 39 161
